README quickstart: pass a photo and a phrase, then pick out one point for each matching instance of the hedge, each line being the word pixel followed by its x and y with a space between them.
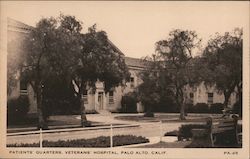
pixel 185 130
pixel 128 103
pixel 237 108
pixel 215 108
pixel 201 108
pixel 102 141
pixel 17 108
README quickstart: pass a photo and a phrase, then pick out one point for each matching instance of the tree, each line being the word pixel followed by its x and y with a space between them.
pixel 56 47
pixel 98 60
pixel 223 63
pixel 176 55
pixel 47 54
pixel 155 86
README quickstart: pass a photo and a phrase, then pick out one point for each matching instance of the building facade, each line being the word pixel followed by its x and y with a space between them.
pixel 207 94
pixel 99 100
pixel 16 33
pixel 111 101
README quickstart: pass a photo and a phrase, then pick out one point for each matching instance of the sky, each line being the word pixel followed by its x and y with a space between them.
pixel 135 27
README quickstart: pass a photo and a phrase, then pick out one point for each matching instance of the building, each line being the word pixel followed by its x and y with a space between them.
pixel 111 101
pixel 208 94
pixel 99 100
pixel 16 33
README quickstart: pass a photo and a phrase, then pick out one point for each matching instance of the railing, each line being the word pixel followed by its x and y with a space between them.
pixel 111 128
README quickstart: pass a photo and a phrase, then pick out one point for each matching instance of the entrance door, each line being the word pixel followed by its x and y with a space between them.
pixel 100 100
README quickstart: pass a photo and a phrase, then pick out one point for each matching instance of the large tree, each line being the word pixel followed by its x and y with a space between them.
pixel 56 47
pixel 223 63
pixel 98 60
pixel 47 54
pixel 176 59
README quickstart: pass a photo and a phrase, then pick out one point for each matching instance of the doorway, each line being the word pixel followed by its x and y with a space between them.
pixel 100 100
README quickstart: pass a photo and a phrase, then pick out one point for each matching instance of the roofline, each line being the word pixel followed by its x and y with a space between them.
pixel 116 48
pixel 28 28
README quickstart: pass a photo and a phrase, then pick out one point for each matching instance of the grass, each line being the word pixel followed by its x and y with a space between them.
pixel 54 122
pixel 102 141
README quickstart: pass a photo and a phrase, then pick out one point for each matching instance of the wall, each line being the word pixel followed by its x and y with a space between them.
pixel 201 95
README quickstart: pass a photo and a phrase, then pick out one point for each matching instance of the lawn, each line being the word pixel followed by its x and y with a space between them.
pixel 102 141
pixel 54 122
pixel 31 121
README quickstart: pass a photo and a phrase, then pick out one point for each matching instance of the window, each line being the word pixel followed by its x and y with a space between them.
pixel 191 97
pixel 85 96
pixel 210 98
pixel 132 82
pixel 111 97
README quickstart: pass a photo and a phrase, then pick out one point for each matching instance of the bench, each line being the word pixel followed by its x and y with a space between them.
pixel 217 129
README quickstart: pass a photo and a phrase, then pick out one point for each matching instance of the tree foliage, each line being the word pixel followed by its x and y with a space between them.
pixel 177 63
pixel 223 63
pixel 155 86
pixel 56 47
pixel 97 60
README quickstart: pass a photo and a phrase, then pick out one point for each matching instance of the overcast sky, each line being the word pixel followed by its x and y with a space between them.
pixel 134 27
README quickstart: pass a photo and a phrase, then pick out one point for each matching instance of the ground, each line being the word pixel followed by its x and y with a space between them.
pixel 152 128
pixel 179 144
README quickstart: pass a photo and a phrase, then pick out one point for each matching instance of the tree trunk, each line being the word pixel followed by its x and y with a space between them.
pixel 41 122
pixel 84 121
pixel 226 96
pixel 180 102
pixel 182 112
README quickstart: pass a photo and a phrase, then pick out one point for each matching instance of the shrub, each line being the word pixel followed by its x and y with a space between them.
pixel 216 108
pixel 18 108
pixel 200 108
pixel 185 130
pixel 165 104
pixel 237 108
pixel 128 103
pixel 172 133
pixel 188 107
pixel 148 114
pixel 102 141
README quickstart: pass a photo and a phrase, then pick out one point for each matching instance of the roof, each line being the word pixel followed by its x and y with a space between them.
pixel 15 25
pixel 135 62
pixel 115 48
